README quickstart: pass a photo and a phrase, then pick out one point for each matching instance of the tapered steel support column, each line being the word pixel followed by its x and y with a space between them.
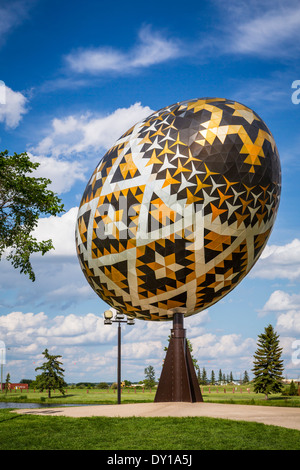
pixel 119 363
pixel 178 380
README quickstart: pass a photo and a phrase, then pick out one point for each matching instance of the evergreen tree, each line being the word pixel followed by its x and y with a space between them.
pixel 268 366
pixel 52 376
pixel 204 376
pixel 212 380
pixel 220 376
pixel 199 376
pixel 246 377
pixel 230 377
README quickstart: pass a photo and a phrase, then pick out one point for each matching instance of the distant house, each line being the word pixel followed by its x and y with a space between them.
pixel 15 386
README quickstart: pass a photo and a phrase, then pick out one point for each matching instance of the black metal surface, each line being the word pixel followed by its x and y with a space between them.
pixel 178 381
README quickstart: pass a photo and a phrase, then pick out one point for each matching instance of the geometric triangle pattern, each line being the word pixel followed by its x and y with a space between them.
pixel 179 209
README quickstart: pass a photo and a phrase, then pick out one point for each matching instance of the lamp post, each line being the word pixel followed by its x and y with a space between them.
pixel 2 360
pixel 3 349
pixel 110 318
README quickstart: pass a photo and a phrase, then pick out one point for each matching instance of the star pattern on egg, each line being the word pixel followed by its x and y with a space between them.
pixel 179 209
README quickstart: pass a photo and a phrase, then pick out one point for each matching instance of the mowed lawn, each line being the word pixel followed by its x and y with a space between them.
pixel 29 432
pixel 222 394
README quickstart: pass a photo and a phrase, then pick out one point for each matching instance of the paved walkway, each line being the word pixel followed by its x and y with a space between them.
pixel 277 416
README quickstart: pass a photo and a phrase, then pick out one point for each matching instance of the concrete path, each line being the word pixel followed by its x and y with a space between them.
pixel 277 416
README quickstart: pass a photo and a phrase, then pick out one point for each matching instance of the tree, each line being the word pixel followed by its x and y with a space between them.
pixel 220 376
pixel 246 377
pixel 204 376
pixel 212 379
pixel 23 198
pixel 293 389
pixel 52 377
pixel 7 383
pixel 103 385
pixel 149 377
pixel 268 366
pixel 195 362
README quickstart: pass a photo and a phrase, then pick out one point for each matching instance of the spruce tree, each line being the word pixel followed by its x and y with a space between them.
pixel 204 376
pixel 52 376
pixel 246 377
pixel 268 366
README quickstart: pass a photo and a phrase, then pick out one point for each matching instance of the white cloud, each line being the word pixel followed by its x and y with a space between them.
pixel 61 230
pixel 77 134
pixel 83 341
pixel 287 307
pixel 62 173
pixel 78 330
pixel 263 28
pixel 279 262
pixel 273 33
pixel 139 350
pixel 280 301
pixel 226 346
pixel 289 322
pixel 28 329
pixel 12 107
pixel 152 330
pixel 151 49
pixel 15 321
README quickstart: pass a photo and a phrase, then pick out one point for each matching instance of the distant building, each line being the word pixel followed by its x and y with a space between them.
pixel 15 386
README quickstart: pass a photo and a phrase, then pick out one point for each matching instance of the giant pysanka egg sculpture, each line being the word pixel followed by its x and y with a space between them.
pixel 179 209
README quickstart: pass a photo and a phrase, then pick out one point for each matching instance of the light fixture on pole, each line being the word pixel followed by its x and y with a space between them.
pixel 109 318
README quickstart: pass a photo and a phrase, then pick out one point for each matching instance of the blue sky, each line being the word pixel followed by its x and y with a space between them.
pixel 76 75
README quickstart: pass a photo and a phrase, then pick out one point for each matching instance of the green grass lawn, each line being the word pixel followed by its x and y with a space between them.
pixel 238 395
pixel 29 432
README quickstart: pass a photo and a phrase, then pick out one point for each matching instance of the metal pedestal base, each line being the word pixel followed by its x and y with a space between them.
pixel 178 380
